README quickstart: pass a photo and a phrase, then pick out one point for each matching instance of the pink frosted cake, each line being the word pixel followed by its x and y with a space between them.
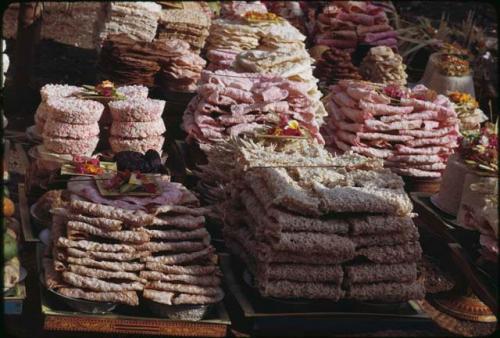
pixel 58 129
pixel 137 129
pixel 83 147
pixel 137 110
pixel 139 145
pixel 75 111
pixel 134 91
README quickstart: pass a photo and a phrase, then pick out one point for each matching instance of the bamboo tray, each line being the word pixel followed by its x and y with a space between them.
pixel 268 316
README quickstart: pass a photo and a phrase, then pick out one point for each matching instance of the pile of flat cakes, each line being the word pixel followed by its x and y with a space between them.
pixel 382 65
pixel 184 20
pixel 110 251
pixel 138 20
pixel 126 61
pixel 333 65
pixel 324 228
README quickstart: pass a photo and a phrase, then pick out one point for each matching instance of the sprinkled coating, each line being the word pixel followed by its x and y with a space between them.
pixel 83 147
pixel 134 91
pixel 139 145
pixel 137 110
pixel 137 129
pixel 75 111
pixel 55 128
pixel 57 90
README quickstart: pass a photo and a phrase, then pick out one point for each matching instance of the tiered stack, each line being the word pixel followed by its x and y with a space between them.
pixel 469 114
pixel 190 23
pixel 51 91
pixel 104 251
pixel 72 126
pixel 413 131
pixel 137 20
pixel 229 104
pixel 324 233
pixel 347 24
pixel 137 125
pixel 130 62
pixel 382 65
pixel 262 42
pixel 333 65
pixel 289 10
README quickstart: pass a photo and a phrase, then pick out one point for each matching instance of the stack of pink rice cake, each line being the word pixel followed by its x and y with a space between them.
pixel 51 91
pixel 137 125
pixel 72 126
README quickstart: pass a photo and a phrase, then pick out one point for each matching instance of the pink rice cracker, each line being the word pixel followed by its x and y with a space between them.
pixel 137 129
pixel 139 145
pixel 137 110
pixel 58 129
pixel 56 90
pixel 83 147
pixel 75 111
pixel 134 91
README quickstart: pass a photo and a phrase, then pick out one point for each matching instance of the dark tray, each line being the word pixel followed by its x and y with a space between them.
pixel 287 317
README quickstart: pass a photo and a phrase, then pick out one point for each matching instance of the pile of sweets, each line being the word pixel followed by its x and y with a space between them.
pixel 72 126
pixel 340 229
pixel 184 20
pixel 130 62
pixel 289 10
pixel 382 65
pixel 346 24
pixel 101 250
pixel 229 104
pixel 414 131
pixel 51 91
pixel 469 114
pixel 251 40
pixel 137 125
pixel 137 20
pixel 333 65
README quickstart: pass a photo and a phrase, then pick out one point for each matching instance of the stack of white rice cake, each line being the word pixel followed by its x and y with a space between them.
pixel 137 125
pixel 106 253
pixel 186 21
pixel 138 20
pixel 341 231
pixel 72 126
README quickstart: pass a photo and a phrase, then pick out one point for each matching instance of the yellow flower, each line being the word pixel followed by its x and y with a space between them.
pixel 107 84
pixel 293 124
pixel 278 132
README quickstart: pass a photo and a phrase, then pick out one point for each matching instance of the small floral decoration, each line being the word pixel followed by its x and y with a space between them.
pixel 104 90
pixel 258 17
pixel 286 128
pixel 87 165
pixel 480 149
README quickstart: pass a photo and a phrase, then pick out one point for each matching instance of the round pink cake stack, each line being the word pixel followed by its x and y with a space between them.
pixel 72 127
pixel 51 91
pixel 137 125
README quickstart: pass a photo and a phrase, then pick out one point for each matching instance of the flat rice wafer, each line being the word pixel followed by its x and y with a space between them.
pixel 173 235
pixel 122 235
pixel 387 292
pixel 114 266
pixel 171 298
pixel 109 256
pixel 134 218
pixel 184 288
pixel 289 289
pixel 124 297
pixel 393 238
pixel 179 209
pixel 183 222
pixel 94 246
pixel 181 258
pixel 201 280
pixel 172 246
pixel 104 274
pixel 100 222
pixel 195 270
pixel 375 224
pixel 301 272
pixel 95 284
pixel 371 273
pixel 408 252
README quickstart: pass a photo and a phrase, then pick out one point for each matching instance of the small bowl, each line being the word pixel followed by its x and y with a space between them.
pixel 39 221
pixel 179 312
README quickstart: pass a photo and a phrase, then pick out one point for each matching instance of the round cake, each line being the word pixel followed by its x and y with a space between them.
pixel 57 90
pixel 56 129
pixel 83 147
pixel 138 145
pixel 137 129
pixel 137 110
pixel 74 111
pixel 450 191
pixel 134 91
